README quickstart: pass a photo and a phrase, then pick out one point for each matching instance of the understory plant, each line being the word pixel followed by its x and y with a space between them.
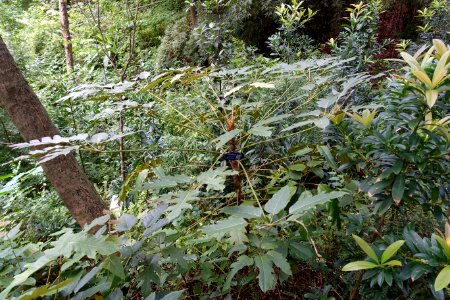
pixel 400 147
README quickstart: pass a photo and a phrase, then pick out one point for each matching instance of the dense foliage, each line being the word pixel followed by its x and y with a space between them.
pixel 240 158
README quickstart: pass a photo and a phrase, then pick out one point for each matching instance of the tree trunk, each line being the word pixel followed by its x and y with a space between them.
pixel 33 122
pixel 193 15
pixel 64 19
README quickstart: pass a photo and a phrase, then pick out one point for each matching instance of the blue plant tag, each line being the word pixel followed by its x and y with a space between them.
pixel 233 156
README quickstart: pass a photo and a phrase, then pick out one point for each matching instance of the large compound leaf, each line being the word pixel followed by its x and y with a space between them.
pixel 215 178
pixel 226 137
pixel 181 200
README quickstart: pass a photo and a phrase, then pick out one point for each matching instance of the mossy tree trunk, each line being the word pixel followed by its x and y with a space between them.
pixel 33 122
pixel 65 30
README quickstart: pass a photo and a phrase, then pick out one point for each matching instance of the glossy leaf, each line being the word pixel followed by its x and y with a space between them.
pixel 443 279
pixel 359 265
pixel 391 250
pixel 366 248
pixel 398 188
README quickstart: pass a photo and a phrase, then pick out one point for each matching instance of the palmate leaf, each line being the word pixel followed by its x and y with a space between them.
pixel 126 222
pixel 280 261
pixel 114 265
pixel 242 262
pixel 181 200
pixel 266 277
pixel 215 178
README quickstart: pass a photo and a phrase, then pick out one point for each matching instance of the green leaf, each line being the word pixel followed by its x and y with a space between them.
pixel 173 295
pixel 398 188
pixel 322 123
pixel 102 287
pixel 272 120
pixel 378 187
pixel 36 293
pixel 280 261
pixel 139 182
pixel 13 232
pixel 87 278
pixel 393 263
pixel 226 137
pixel 266 277
pixel 391 250
pixel 224 226
pixel 359 265
pixel 326 153
pixel 126 222
pixel 165 181
pixel 45 290
pixel 244 211
pixel 443 279
pixel 263 131
pixel 366 248
pixel 297 167
pixel 299 124
pixel 242 262
pixel 443 242
pixel 280 200
pixel 114 265
pixel 215 178
pixel 97 222
pixel 307 202
pixel 153 216
pixel 181 200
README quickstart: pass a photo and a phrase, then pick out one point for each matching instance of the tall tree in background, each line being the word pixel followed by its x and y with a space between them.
pixel 31 119
pixel 65 30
